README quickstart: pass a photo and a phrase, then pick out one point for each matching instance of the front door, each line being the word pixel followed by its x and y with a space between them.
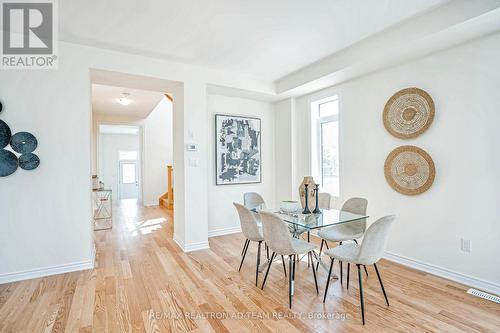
pixel 129 180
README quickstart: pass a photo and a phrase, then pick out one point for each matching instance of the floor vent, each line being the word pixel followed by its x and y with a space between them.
pixel 484 295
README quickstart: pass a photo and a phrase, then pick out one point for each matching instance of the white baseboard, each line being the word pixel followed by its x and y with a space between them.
pixel 224 231
pixel 179 241
pixel 150 203
pixel 196 246
pixel 46 271
pixel 445 273
pixel 191 246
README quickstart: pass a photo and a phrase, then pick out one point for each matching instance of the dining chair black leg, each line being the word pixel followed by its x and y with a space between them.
pixel 244 246
pixel 258 264
pixel 284 266
pixel 308 240
pixel 361 294
pixel 326 244
pixel 321 246
pixel 319 255
pixel 267 252
pixel 341 273
pixel 314 272
pixel 244 255
pixel 348 271
pixel 328 280
pixel 381 284
pixel 366 271
pixel 293 268
pixel 267 270
pixel 290 259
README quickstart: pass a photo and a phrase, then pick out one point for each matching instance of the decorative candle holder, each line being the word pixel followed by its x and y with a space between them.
pixel 317 210
pixel 306 208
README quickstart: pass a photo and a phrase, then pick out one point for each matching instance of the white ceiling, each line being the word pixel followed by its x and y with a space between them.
pixel 104 101
pixel 266 39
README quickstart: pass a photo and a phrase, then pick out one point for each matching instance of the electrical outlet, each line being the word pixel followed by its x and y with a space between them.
pixel 465 245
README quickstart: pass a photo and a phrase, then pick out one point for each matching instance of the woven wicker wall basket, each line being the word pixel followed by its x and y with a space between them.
pixel 409 170
pixel 408 113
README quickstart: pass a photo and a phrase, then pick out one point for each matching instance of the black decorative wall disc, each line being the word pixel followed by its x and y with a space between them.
pixel 1 106
pixel 23 142
pixel 8 163
pixel 5 134
pixel 29 161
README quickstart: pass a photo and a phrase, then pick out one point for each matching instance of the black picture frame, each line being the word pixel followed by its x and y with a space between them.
pixel 218 179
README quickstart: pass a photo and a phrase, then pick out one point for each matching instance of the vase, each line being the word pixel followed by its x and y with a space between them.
pixel 311 184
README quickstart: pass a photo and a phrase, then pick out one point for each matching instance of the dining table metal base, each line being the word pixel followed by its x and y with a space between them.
pixel 263 266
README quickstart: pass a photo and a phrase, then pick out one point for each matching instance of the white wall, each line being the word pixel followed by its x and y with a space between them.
pixel 222 216
pixel 45 214
pixel 463 140
pixel 158 150
pixel 110 145
pixel 284 141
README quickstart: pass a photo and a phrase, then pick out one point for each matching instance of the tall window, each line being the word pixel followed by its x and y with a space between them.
pixel 325 114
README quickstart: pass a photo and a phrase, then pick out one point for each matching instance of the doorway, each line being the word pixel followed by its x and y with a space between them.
pixel 126 106
pixel 129 179
pixel 119 160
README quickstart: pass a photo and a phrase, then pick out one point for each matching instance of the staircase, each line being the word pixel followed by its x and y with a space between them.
pixel 167 199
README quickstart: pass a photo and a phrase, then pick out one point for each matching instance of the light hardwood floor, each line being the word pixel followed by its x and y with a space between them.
pixel 143 282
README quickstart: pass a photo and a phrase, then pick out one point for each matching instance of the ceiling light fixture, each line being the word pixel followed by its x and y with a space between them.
pixel 124 100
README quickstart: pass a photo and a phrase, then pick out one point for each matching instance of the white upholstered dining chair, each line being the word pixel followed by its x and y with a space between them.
pixel 368 253
pixel 253 200
pixel 346 231
pixel 324 200
pixel 252 233
pixel 280 242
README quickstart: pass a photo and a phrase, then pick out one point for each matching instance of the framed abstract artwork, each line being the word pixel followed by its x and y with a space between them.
pixel 237 150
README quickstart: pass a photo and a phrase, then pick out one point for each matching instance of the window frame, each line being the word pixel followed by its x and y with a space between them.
pixel 317 139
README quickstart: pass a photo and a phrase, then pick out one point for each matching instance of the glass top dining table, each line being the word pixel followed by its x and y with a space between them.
pixel 300 223
pixel 328 217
